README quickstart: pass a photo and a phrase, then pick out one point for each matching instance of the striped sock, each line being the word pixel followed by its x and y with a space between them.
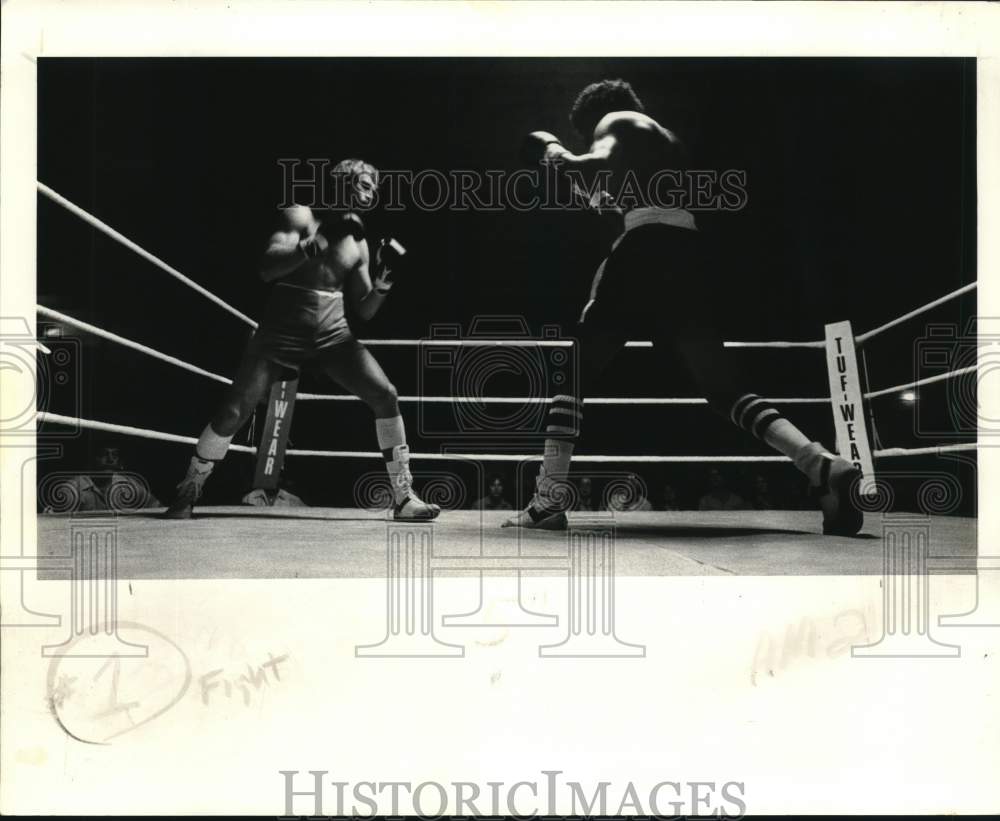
pixel 564 418
pixel 754 414
pixel 561 431
pixel 761 418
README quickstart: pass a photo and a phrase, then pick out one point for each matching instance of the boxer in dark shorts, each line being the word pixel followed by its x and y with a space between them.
pixel 315 265
pixel 656 281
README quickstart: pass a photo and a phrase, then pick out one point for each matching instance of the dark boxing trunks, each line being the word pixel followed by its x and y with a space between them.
pixel 654 277
pixel 301 326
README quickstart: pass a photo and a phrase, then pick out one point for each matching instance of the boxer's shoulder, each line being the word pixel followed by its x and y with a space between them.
pixel 297 218
pixel 624 124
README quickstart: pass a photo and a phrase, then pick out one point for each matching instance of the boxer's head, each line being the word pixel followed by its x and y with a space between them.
pixel 599 99
pixel 357 183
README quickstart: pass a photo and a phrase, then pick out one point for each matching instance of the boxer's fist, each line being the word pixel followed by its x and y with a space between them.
pixel 388 258
pixel 350 224
pixel 535 146
pixel 312 243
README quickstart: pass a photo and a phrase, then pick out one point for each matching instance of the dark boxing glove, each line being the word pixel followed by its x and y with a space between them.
pixel 313 245
pixel 388 260
pixel 350 223
pixel 533 146
pixel 344 225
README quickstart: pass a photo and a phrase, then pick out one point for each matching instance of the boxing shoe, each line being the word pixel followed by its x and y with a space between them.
pixel 414 509
pixel 189 490
pixel 547 509
pixel 407 507
pixel 833 481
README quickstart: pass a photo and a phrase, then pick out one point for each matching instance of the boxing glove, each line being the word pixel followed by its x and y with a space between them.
pixel 313 245
pixel 348 224
pixel 534 146
pixel 388 262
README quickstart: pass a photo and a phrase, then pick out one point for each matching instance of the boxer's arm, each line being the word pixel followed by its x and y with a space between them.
pixel 289 247
pixel 604 152
pixel 365 299
pixel 617 139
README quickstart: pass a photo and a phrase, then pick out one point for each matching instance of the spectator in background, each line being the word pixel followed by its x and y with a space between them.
pixel 669 498
pixel 629 497
pixel 760 494
pixel 494 499
pixel 585 495
pixel 107 486
pixel 284 496
pixel 719 496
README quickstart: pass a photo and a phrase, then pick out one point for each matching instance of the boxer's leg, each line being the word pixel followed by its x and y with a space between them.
pixel 351 365
pixel 254 378
pixel 596 347
pixel 832 478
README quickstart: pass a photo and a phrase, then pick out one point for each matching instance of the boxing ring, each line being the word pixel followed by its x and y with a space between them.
pixel 247 542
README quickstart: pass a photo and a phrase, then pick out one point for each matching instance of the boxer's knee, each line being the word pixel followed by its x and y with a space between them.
pixel 231 415
pixel 384 401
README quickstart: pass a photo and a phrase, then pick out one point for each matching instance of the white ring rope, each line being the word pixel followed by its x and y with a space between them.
pixel 535 400
pixel 128 343
pixel 472 342
pixel 916 312
pixel 516 457
pixel 927 380
pixel 461 400
pixel 144 433
pixel 546 343
pixel 933 450
pixel 159 263
pixel 457 400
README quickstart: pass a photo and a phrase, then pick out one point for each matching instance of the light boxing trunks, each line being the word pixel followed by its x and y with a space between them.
pixel 302 326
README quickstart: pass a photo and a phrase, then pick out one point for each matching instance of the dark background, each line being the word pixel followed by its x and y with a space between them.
pixel 862 205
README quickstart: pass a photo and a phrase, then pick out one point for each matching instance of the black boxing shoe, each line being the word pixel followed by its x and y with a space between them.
pixel 834 484
pixel 547 509
pixel 532 518
pixel 415 509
